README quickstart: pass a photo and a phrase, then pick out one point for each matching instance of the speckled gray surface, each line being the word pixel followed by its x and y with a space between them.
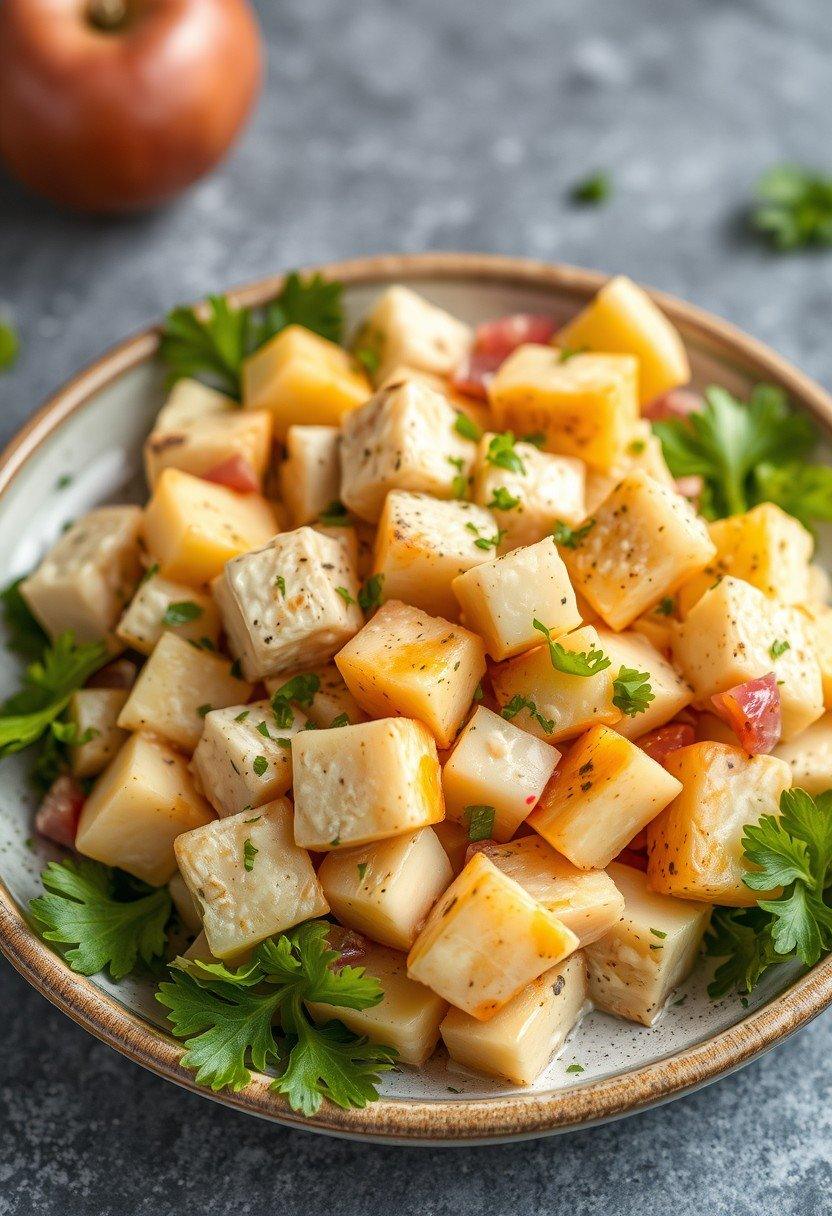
pixel 436 125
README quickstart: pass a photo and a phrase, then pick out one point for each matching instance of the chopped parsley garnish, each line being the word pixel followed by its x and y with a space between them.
pixel 241 717
pixel 573 662
pixel 502 500
pixel 779 647
pixel 9 346
pixel 26 637
pixel 362 870
pixel 204 710
pixel 369 359
pixel 570 538
pixel 479 821
pixel 569 352
pixel 466 427
pixel 345 595
pixel 260 765
pixel 63 481
pixel 369 597
pixel 490 542
pixel 263 730
pixel 660 933
pixel 794 209
pixel 181 613
pixel 336 515
pixel 300 689
pixel 632 692
pixel 535 438
pixel 666 606
pixel 149 573
pixel 576 1068
pixel 285 743
pixel 459 483
pixel 503 454
pixel 249 854
pixel 518 702
pixel 340 720
pixel 280 583
pixel 592 190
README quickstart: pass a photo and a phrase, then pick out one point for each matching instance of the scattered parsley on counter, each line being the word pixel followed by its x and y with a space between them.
pixel 593 190
pixel 9 346
pixel 632 692
pixel 794 210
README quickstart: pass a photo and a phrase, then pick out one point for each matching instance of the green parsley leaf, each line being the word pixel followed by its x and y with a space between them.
pixel 535 438
pixel 336 515
pixel 242 715
pixel 26 637
pixel 362 870
pixel 518 702
pixel 466 427
pixel 369 597
pixel 263 729
pixel 149 573
pixel 459 483
pixel 314 303
pixel 666 606
pixel 569 352
pixel 503 454
pixel 63 481
pixel 260 764
pixel 369 359
pixel 345 595
pixel 286 744
pixel 502 500
pixel 339 721
pixel 575 1068
pixel 632 692
pixel 480 822
pixel 779 647
pixel 280 583
pixel 331 1062
pixel 249 854
pixel 181 613
pixel 570 538
pixel 9 346
pixel 490 542
pixel 572 662
pixel 592 190
pixel 300 689
pixel 794 209
pixel 800 489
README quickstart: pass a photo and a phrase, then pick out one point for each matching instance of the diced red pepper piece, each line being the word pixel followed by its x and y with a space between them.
pixel 57 816
pixel 661 742
pixel 236 473
pixel 677 403
pixel 752 710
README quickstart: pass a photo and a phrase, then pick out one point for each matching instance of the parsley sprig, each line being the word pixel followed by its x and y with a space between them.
pixel 794 209
pixel 570 538
pixel 632 692
pixel 573 662
pixel 518 702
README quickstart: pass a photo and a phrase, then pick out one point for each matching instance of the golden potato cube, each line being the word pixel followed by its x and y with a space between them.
pixel 142 801
pixel 645 541
pixel 547 488
pixel 176 688
pixel 657 627
pixel 586 901
pixel 623 318
pixel 497 765
pixel 386 889
pixel 422 544
pixel 248 877
pixel 809 756
pixel 727 638
pixel 190 401
pixel 406 662
pixel 635 967
pixel 310 476
pixel 185 906
pixel 485 940
pixel 403 329
pixel 670 692
pixel 96 710
pixel 331 700
pixel 520 1040
pixel 193 527
pixel 454 840
pixel 570 703
pixel 605 790
pixel 357 784
pixel 501 599
pixel 202 445
pixel 585 405
pixel 694 848
pixel 159 605
pixel 303 379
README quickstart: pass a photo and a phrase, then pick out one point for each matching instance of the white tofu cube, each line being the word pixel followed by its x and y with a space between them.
pixel 497 765
pixel 809 756
pixel 88 575
pixel 96 710
pixel 362 783
pixel 331 699
pixel 527 500
pixel 190 401
pixel 670 692
pixel 290 605
pixel 310 476
pixel 160 604
pixel 404 329
pixel 248 878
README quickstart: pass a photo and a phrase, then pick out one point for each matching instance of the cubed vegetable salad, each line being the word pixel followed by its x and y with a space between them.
pixel 450 682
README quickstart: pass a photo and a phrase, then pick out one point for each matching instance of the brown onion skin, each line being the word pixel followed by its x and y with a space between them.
pixel 124 119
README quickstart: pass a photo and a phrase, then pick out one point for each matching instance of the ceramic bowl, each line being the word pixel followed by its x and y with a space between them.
pixel 94 427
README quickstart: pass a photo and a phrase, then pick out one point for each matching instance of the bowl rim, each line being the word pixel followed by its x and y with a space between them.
pixel 426 1121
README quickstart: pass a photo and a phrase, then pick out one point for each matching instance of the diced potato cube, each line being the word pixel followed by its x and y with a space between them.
pixel 501 599
pixel 809 756
pixel 694 848
pixel 404 438
pixel 190 401
pixel 243 759
pixel 495 764
pixel 331 700
pixel 646 540
pixel 645 451
pixel 485 940
pixel 454 840
pixel 634 968
pixel 670 692
pixel 405 330
pixel 819 630
pixel 570 703
pixel 193 527
pixel 356 784
pixel 386 889
pixel 142 801
pixel 657 627
pixel 585 405
pixel 727 638
pixel 88 575
pixel 303 379
pixel 547 489
pixel 202 445
pixel 586 901
pixel 347 538
pixel 310 476
pixel 176 688
pixel 96 710
pixel 185 906
pixel 248 877
pixel 159 605
pixel 605 790
pixel 406 662
pixel 407 1017
pixel 291 604
pixel 520 1040
pixel 422 544
pixel 623 318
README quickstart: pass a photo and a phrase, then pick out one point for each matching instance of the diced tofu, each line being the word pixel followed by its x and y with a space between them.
pixel 291 604
pixel 585 405
pixel 202 445
pixel 404 438
pixel 809 756
pixel 405 330
pixel 406 662
pixel 495 764
pixel 605 790
pixel 176 688
pixel 623 318
pixel 303 379
pixel 88 575
pixel 243 759
pixel 694 848
pixel 586 901
pixel 193 527
pixel 727 638
pixel 386 889
pixel 454 840
pixel 520 1040
pixel 670 692
pixel 501 599
pixel 141 802
pixel 190 401
pixel 310 476
pixel 331 700
pixel 248 877
pixel 159 605
pixel 96 710
pixel 634 968
pixel 485 940
pixel 645 542
pixel 547 488
pixel 571 703
pixel 356 784
pixel 422 544
pixel 185 905
pixel 407 1017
